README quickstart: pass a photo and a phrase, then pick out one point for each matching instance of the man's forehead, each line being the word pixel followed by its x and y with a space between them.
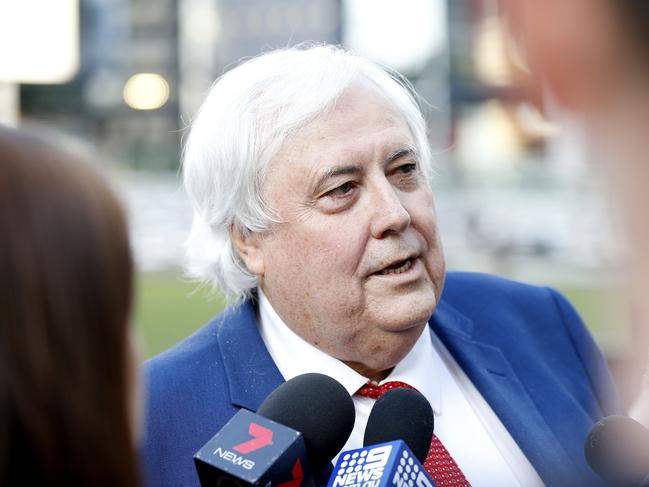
pixel 320 150
pixel 357 101
pixel 361 126
pixel 338 128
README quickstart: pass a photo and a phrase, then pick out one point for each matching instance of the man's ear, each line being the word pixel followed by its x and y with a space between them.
pixel 248 246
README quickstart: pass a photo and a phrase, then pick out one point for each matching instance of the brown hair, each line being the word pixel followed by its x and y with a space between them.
pixel 65 298
pixel 635 17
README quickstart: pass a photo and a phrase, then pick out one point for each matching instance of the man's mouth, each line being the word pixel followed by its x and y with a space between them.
pixel 397 268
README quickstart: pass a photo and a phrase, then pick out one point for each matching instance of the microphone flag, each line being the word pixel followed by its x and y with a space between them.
pixel 253 450
pixel 390 464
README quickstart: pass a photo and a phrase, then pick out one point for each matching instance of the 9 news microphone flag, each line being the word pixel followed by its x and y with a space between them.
pixel 253 450
pixel 390 464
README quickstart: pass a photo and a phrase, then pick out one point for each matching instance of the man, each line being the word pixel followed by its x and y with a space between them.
pixel 309 171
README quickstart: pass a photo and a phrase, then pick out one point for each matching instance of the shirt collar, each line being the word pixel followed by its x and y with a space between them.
pixel 419 369
pixel 295 356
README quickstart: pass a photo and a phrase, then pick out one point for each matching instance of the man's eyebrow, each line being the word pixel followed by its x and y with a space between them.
pixel 332 173
pixel 401 152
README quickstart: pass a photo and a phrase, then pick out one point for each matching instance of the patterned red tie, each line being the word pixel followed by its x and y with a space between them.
pixel 439 462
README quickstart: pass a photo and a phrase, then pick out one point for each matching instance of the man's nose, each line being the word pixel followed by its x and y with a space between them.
pixel 389 214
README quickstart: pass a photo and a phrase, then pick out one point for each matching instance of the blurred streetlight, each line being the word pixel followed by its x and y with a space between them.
pixel 146 91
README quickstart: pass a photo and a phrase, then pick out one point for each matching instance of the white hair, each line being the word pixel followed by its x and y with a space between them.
pixel 246 117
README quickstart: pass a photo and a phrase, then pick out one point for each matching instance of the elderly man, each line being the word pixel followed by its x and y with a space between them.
pixel 309 171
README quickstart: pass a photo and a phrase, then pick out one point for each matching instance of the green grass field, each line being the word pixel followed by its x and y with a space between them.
pixel 168 308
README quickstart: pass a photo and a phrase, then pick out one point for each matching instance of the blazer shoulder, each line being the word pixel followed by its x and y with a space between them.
pixel 202 341
pixel 463 279
pixel 535 321
pixel 187 401
pixel 194 367
pixel 465 290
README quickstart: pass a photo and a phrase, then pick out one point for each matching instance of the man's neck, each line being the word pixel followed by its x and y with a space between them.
pixel 373 375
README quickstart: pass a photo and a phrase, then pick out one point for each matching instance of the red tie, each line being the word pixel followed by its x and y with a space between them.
pixel 439 462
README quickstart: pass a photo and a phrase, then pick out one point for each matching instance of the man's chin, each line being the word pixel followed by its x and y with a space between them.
pixel 403 313
pixel 380 359
pixel 404 304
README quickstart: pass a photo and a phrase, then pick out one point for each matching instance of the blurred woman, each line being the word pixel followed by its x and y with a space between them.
pixel 67 372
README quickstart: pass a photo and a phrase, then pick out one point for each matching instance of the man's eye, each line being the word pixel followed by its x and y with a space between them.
pixel 407 168
pixel 341 190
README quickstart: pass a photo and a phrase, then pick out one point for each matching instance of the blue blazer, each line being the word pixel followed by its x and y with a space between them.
pixel 523 347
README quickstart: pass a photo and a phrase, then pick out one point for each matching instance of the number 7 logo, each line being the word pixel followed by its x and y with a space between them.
pixel 261 437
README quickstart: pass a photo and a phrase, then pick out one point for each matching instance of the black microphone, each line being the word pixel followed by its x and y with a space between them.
pixel 402 414
pixel 317 406
pixel 617 449
pixel 297 430
pixel 397 440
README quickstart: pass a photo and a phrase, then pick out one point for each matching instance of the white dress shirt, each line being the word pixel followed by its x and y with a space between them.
pixel 464 422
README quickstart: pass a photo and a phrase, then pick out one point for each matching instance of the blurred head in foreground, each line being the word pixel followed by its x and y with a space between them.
pixel 66 367
pixel 593 55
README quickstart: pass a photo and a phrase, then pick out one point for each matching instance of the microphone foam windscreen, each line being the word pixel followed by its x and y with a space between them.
pixel 317 406
pixel 617 449
pixel 402 414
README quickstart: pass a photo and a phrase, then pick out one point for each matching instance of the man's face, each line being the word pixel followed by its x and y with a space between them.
pixel 356 267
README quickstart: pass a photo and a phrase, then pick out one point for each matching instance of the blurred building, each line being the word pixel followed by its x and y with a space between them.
pixel 216 35
pixel 147 64
pixel 119 38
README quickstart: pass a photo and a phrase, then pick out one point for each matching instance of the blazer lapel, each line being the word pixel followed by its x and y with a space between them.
pixel 250 370
pixel 492 374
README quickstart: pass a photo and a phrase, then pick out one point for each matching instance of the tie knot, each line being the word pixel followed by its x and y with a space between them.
pixel 375 391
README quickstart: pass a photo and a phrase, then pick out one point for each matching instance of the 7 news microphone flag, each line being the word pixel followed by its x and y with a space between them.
pixel 295 433
pixel 253 450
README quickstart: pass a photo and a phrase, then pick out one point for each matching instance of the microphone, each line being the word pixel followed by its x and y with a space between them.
pixel 402 414
pixel 617 449
pixel 297 430
pixel 317 406
pixel 386 459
